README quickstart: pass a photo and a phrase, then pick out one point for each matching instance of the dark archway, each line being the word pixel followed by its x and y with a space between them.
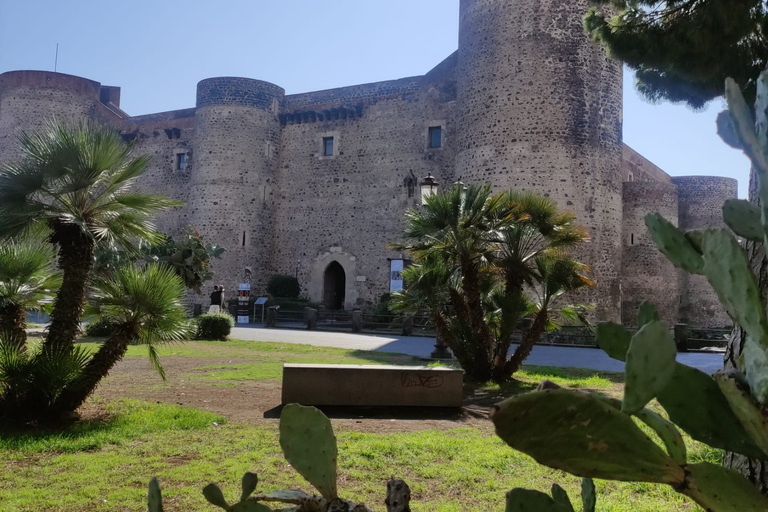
pixel 334 285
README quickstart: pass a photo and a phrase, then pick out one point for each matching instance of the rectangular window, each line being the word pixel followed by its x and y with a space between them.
pixel 436 137
pixel 181 161
pixel 327 146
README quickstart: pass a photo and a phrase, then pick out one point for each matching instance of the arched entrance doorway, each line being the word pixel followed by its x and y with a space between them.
pixel 334 284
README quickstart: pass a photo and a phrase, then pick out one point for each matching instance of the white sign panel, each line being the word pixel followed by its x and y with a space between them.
pixel 395 275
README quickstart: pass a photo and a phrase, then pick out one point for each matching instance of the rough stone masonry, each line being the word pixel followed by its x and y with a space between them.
pixel 316 184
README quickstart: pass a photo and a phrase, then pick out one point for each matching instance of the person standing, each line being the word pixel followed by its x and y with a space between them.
pixel 215 300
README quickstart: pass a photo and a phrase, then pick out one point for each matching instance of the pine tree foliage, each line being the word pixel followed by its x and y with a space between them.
pixel 683 50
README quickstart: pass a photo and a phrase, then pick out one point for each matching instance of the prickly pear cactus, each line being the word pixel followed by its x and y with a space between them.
pixel 309 445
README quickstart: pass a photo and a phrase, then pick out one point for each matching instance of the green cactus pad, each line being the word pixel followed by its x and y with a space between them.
pixel 695 403
pixel 744 219
pixel 666 430
pixel 526 500
pixel 722 490
pixel 647 314
pixel 727 130
pixel 588 495
pixel 307 440
pixel 249 483
pixel 673 243
pixel 745 408
pixel 650 365
pixel 582 435
pixel 294 496
pixel 613 339
pixel 561 496
pixel 728 271
pixel 754 362
pixel 154 497
pixel 744 125
pixel 214 496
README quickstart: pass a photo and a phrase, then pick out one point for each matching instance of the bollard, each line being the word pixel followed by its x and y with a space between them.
pixel 311 319
pixel 272 316
pixel 681 337
pixel 357 321
pixel 408 325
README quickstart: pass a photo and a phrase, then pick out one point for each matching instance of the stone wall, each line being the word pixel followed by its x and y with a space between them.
pixel 635 167
pixel 539 108
pixel 347 207
pixel 646 273
pixel 701 202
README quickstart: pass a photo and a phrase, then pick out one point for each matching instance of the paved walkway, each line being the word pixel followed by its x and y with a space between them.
pixel 542 355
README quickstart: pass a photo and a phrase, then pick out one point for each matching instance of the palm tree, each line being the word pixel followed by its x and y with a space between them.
pixel 28 278
pixel 77 180
pixel 144 306
pixel 482 264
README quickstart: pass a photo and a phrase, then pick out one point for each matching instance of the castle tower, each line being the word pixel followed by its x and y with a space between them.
pixel 539 108
pixel 701 206
pixel 29 99
pixel 232 170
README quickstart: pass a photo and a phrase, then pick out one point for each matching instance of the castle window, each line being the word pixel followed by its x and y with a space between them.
pixel 632 239
pixel 436 137
pixel 631 177
pixel 327 146
pixel 181 161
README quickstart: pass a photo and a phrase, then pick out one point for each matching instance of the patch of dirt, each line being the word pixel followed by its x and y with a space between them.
pixel 258 402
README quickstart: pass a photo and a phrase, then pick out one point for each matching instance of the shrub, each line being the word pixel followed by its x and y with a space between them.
pixel 281 286
pixel 99 328
pixel 214 326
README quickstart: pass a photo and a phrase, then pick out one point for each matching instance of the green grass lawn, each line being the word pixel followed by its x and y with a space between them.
pixel 105 464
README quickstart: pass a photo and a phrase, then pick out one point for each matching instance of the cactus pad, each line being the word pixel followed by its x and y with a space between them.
pixel 307 440
pixel 673 243
pixel 754 362
pixel 154 497
pixel 744 219
pixel 728 271
pixel 650 365
pixel 724 490
pixel 695 403
pixel 525 500
pixel 744 407
pixel 582 435
pixel 561 496
pixel 647 314
pixel 613 339
pixel 588 495
pixel 249 483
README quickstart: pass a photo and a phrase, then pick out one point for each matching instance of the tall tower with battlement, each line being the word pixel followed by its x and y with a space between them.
pixel 235 154
pixel 539 108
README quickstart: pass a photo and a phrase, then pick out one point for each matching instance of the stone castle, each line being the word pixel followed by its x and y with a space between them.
pixel 316 184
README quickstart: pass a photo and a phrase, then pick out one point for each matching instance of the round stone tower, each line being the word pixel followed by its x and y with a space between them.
pixel 29 99
pixel 539 108
pixel 701 206
pixel 232 169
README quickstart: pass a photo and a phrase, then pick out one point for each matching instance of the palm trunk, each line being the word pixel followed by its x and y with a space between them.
pixel 75 260
pixel 756 471
pixel 522 352
pixel 12 324
pixel 477 365
pixel 483 337
pixel 110 353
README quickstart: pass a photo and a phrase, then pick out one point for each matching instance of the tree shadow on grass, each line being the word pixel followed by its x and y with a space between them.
pixel 62 436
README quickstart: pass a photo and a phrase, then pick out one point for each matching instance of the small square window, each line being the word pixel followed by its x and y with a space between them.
pixel 181 161
pixel 436 137
pixel 327 146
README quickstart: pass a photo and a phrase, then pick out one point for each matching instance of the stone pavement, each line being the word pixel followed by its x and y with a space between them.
pixel 542 355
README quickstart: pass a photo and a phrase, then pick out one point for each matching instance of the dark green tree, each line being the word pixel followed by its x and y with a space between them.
pixel 683 50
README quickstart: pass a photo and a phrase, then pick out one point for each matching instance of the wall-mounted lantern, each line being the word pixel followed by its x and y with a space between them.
pixel 429 186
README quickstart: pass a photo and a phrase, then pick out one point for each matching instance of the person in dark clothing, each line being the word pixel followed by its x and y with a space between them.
pixel 216 300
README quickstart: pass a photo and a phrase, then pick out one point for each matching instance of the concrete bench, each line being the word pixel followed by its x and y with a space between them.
pixel 372 385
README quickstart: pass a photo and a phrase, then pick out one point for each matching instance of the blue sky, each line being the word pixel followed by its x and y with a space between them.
pixel 157 52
